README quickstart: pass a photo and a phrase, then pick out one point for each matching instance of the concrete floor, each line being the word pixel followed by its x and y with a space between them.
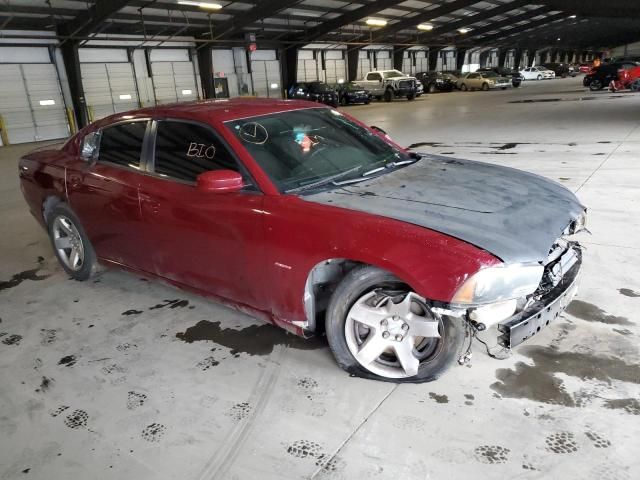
pixel 96 381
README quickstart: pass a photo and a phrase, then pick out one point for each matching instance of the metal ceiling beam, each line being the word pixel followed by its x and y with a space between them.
pixel 596 8
pixel 87 21
pixel 501 37
pixel 510 21
pixel 427 16
pixel 259 12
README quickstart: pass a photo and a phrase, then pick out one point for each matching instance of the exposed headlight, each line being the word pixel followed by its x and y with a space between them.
pixel 580 223
pixel 496 284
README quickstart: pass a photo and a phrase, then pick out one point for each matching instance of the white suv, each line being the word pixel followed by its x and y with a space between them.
pixel 537 73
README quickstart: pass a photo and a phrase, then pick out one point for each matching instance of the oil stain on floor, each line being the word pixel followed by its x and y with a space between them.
pixel 593 313
pixel 253 340
pixel 537 382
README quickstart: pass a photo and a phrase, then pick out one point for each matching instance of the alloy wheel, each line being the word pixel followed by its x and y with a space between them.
pixel 68 243
pixel 392 333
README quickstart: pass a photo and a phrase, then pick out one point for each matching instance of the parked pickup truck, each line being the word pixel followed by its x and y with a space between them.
pixel 389 84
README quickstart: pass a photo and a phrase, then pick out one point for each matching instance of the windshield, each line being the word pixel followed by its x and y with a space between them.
pixel 302 148
pixel 489 74
pixel 393 74
pixel 320 87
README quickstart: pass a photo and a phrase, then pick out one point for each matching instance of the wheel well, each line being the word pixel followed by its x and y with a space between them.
pixel 47 206
pixel 321 282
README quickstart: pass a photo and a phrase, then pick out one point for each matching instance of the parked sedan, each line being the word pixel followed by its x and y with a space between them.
pixel 436 82
pixel 315 91
pixel 537 73
pixel 299 215
pixel 483 81
pixel 560 69
pixel 514 75
pixel 352 93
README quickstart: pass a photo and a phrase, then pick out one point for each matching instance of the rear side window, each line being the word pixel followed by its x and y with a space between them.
pixel 122 144
pixel 185 150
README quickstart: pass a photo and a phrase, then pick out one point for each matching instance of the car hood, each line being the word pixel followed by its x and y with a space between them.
pixel 514 215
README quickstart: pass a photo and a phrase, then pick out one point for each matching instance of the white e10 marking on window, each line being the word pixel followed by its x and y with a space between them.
pixel 200 150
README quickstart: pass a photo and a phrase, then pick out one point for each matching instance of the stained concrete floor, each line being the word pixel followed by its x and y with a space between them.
pixel 110 379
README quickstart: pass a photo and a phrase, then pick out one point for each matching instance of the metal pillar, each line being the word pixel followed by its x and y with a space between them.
pixel 352 64
pixel 289 67
pixel 205 67
pixel 71 60
pixel 531 57
pixel 461 53
pixel 502 57
pixel 517 58
pixel 433 59
pixel 398 54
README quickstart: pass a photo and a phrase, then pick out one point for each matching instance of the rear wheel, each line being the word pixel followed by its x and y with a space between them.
pixel 378 328
pixel 70 243
pixel 411 96
pixel 463 87
pixel 596 85
pixel 485 87
pixel 635 86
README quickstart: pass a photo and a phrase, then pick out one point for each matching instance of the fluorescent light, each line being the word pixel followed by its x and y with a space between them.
pixel 125 96
pixel 572 16
pixel 274 86
pixel 425 26
pixel 206 5
pixel 463 30
pixel 341 80
pixel 376 22
pixel 186 92
pixel 558 38
pixel 47 102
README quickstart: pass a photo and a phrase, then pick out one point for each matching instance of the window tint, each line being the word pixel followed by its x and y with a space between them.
pixel 122 144
pixel 184 151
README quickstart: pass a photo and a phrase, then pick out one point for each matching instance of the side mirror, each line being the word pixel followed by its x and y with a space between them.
pixel 90 145
pixel 220 181
pixel 378 129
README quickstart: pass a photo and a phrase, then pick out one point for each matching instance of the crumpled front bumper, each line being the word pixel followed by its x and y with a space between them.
pixel 548 308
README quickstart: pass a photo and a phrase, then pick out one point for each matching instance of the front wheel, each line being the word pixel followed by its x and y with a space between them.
pixel 411 96
pixel 596 85
pixel 432 88
pixel 70 243
pixel 485 87
pixel 378 328
pixel 539 77
pixel 463 87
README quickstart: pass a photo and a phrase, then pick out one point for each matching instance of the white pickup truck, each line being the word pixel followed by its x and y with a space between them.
pixel 389 84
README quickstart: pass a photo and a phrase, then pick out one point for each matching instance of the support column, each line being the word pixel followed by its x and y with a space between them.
pixel 531 57
pixel 71 60
pixel 517 58
pixel 484 56
pixel 433 59
pixel 289 68
pixel 502 57
pixel 398 53
pixel 352 64
pixel 461 53
pixel 205 67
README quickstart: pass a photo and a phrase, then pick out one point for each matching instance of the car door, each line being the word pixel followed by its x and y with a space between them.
pixel 208 241
pixel 472 80
pixel 374 83
pixel 103 193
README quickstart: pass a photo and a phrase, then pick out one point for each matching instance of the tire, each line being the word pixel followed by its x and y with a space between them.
pixel 485 87
pixel 596 85
pixel 62 224
pixel 635 86
pixel 388 95
pixel 344 100
pixel 411 97
pixel 463 87
pixel 367 101
pixel 435 354
pixel 432 88
pixel 539 77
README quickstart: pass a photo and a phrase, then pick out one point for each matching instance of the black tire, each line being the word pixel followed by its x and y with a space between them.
pixel 89 263
pixel 388 95
pixel 635 86
pixel 378 98
pixel 485 87
pixel 411 97
pixel 539 77
pixel 344 100
pixel 367 102
pixel 596 85
pixel 432 88
pixel 463 87
pixel 363 280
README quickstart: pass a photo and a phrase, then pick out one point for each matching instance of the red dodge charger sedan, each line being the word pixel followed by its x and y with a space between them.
pixel 304 217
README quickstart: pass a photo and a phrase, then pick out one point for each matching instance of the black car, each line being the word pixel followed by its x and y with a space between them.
pixel 315 92
pixel 352 93
pixel 560 69
pixel 601 76
pixel 516 76
pixel 436 82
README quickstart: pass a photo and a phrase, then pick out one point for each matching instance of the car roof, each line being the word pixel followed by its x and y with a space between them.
pixel 214 109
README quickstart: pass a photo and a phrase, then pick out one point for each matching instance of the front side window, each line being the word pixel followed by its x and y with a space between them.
pixel 393 74
pixel 185 150
pixel 374 76
pixel 300 148
pixel 122 144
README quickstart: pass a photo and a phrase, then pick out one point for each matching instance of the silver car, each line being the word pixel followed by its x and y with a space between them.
pixel 482 81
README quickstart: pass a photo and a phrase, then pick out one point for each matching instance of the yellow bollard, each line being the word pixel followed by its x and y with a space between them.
pixel 3 132
pixel 72 121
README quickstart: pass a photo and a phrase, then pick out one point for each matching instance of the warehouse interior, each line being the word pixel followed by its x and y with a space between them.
pixel 120 377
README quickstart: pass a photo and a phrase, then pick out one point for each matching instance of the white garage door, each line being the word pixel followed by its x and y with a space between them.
pixel 31 103
pixel 383 60
pixel 174 82
pixel 364 64
pixel 108 88
pixel 407 63
pixel 266 78
pixel 422 62
pixel 335 70
pixel 307 70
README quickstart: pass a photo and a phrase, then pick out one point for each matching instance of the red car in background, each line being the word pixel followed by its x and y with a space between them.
pixel 585 67
pixel 302 216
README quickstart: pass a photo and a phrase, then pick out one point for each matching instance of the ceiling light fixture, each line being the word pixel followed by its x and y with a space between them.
pixel 572 16
pixel 376 22
pixel 425 26
pixel 205 5
pixel 463 30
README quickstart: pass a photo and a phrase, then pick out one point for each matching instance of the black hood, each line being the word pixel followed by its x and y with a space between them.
pixel 514 215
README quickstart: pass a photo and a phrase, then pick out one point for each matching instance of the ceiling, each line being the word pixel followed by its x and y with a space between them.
pixel 568 24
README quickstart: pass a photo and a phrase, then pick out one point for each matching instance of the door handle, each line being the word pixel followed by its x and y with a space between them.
pixel 74 181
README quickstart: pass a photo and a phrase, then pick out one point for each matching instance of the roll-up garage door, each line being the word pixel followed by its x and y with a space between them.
pixel 108 88
pixel 407 63
pixel 422 62
pixel 174 82
pixel 265 73
pixel 364 64
pixel 307 66
pixel 383 60
pixel 31 103
pixel 335 67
